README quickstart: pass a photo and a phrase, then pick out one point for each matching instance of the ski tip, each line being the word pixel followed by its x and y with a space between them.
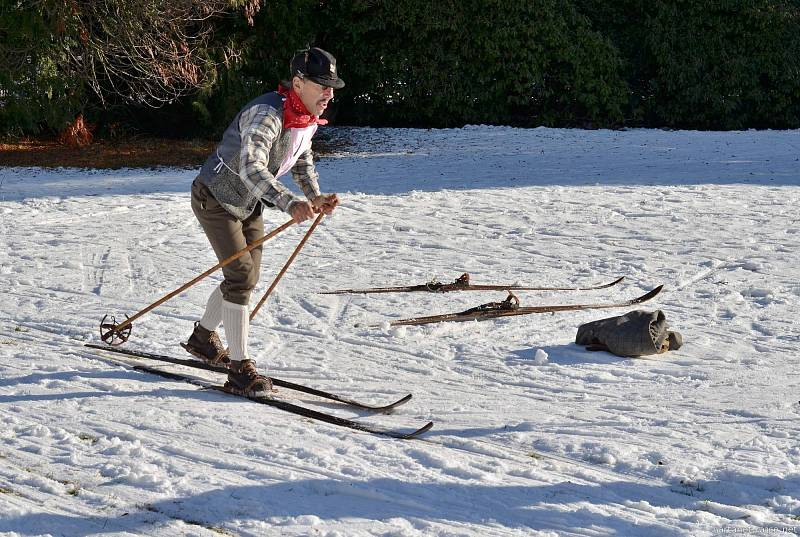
pixel 650 294
pixel 424 429
pixel 603 286
pixel 387 409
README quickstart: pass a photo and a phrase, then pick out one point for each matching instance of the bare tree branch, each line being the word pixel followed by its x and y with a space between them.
pixel 146 52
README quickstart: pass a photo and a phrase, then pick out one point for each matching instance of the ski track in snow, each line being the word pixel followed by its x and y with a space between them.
pixel 565 442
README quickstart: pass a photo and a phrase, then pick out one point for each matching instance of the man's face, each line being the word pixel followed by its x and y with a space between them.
pixel 315 96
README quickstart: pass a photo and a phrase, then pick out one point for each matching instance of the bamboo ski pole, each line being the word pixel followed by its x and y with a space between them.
pixel 286 266
pixel 117 334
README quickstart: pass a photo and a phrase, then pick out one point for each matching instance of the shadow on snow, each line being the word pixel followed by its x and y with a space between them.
pixel 399 161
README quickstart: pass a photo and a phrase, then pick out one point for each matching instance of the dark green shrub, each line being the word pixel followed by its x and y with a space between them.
pixel 35 94
pixel 452 62
pixel 725 64
pixel 711 64
pixel 676 63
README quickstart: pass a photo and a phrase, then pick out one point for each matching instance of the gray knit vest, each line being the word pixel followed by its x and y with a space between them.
pixel 220 173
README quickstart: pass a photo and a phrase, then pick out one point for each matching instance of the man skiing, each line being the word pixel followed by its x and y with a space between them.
pixel 269 137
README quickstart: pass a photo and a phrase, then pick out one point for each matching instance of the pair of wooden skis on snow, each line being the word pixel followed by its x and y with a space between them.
pixel 491 310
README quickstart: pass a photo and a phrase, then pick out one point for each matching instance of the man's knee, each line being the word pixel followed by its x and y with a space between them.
pixel 237 296
pixel 237 292
pixel 250 281
pixel 239 283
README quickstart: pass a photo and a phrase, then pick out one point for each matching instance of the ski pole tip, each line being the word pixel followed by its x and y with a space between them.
pixel 115 334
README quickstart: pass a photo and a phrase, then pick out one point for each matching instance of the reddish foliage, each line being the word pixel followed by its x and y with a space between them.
pixel 77 134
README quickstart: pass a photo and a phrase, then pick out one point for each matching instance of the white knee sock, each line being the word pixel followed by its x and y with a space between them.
pixel 213 314
pixel 236 320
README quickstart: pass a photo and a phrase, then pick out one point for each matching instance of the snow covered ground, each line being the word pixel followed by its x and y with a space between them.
pixel 534 435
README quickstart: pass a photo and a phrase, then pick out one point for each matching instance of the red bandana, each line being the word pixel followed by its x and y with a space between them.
pixel 295 113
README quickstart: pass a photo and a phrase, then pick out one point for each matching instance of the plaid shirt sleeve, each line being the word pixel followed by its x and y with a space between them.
pixel 259 128
pixel 305 174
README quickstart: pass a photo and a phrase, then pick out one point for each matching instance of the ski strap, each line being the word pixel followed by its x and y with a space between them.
pixel 511 303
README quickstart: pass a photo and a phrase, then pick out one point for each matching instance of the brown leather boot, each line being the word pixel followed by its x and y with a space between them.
pixel 206 345
pixel 244 379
